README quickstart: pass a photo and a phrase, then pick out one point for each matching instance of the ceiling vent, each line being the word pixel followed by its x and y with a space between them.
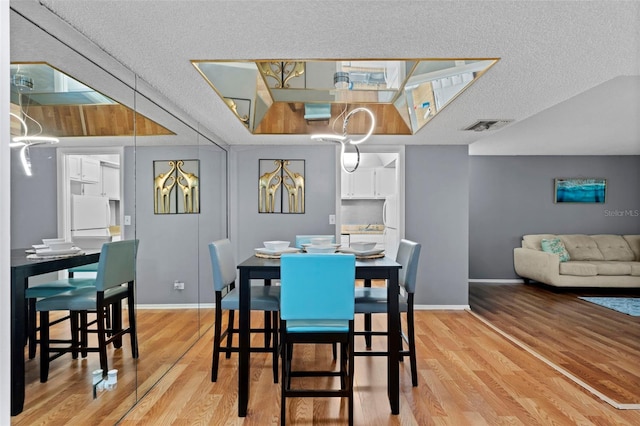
pixel 482 125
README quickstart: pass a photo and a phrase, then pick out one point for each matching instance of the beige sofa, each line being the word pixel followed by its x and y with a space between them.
pixel 595 261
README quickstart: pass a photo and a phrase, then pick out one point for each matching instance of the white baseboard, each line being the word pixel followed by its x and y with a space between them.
pixel 500 281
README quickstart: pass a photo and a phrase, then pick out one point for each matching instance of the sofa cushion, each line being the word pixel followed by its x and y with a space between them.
pixel 555 246
pixel 613 268
pixel 582 269
pixel 533 241
pixel 635 269
pixel 634 244
pixel 614 247
pixel 581 247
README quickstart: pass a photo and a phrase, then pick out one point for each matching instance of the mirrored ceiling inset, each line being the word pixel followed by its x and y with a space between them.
pixel 54 103
pixel 307 96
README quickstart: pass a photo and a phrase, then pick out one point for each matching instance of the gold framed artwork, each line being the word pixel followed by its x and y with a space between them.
pixel 281 186
pixel 176 186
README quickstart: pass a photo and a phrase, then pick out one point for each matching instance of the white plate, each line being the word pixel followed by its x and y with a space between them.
pixel 305 245
pixel 50 252
pixel 265 250
pixel 361 252
pixel 320 249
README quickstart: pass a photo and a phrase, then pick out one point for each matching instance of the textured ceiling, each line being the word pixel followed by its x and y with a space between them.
pixel 569 73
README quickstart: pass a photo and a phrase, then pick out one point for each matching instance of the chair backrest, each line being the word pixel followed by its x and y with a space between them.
pixel 117 264
pixel 408 255
pixel 306 239
pixel 223 263
pixel 317 286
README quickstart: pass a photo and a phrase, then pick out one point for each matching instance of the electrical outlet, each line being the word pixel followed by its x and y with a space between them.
pixel 178 285
pixel 332 219
pixel 127 220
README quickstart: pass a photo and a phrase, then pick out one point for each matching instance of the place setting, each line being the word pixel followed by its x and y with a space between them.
pixel 363 250
pixel 274 249
pixel 53 248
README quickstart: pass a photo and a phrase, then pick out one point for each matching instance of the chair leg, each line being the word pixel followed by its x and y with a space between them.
pixel 84 332
pixel 367 329
pixel 116 322
pixel 133 327
pixel 351 372
pixel 230 333
pixel 32 327
pixel 44 346
pixel 412 347
pixel 102 345
pixel 275 346
pixel 217 330
pixel 76 335
pixel 284 380
pixel 267 329
pixel 334 351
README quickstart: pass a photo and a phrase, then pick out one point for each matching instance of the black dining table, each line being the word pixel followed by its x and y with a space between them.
pixel 267 269
pixel 21 269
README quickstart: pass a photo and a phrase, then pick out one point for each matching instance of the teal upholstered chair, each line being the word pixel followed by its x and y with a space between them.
pixel 317 306
pixel 263 298
pixel 113 283
pixel 317 112
pixel 91 267
pixel 374 300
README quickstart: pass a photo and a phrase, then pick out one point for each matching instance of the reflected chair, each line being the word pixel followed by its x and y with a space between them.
pixel 263 298
pixel 370 300
pixel 113 283
pixel 317 306
pixel 91 267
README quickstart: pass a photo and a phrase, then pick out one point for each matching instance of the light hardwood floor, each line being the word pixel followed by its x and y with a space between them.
pixel 469 375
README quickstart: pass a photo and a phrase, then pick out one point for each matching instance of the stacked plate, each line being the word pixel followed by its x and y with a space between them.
pixel 55 247
pixel 320 248
pixel 362 253
pixel 276 248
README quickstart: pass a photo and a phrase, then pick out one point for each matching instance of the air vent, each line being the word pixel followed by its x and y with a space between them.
pixel 482 125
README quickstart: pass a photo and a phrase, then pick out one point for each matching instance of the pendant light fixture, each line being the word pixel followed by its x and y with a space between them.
pixel 345 140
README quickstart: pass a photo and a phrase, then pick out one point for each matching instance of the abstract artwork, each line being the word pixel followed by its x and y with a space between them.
pixel 580 190
pixel 176 186
pixel 281 186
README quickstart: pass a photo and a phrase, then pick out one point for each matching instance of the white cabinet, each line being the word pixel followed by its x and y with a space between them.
pixel 359 184
pixel 83 169
pixel 385 182
pixel 108 184
pixel 369 183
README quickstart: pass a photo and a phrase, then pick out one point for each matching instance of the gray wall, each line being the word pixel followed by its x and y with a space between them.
pixel 34 208
pixel 437 215
pixel 174 246
pixel 513 196
pixel 250 228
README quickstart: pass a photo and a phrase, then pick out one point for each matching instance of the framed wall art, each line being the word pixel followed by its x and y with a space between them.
pixel 580 190
pixel 176 186
pixel 281 186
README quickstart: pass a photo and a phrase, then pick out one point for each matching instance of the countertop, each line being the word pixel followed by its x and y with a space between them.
pixel 362 229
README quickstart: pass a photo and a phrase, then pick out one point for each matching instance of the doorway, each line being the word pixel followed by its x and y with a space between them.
pixel 370 202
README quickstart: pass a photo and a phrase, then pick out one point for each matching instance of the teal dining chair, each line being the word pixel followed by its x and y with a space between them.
pixel 373 300
pixel 317 307
pixel 227 297
pixel 114 282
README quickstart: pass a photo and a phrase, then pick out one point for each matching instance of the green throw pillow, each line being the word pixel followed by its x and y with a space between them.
pixel 555 246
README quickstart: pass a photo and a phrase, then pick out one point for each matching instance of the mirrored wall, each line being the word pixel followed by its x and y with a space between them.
pixel 165 184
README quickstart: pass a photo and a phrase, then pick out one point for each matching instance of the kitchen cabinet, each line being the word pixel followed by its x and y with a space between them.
pixel 385 182
pixel 369 183
pixel 108 184
pixel 83 169
pixel 359 184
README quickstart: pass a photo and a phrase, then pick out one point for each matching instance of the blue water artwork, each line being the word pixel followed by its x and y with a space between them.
pixel 580 190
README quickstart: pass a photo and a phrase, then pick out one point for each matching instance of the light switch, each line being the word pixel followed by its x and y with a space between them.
pixel 332 219
pixel 127 220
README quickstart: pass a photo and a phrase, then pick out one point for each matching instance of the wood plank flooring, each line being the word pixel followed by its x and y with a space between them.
pixel 469 375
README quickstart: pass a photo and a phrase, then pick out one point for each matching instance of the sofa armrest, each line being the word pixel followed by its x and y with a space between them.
pixel 536 265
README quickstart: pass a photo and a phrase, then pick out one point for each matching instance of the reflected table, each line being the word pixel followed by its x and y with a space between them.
pixel 268 269
pixel 21 269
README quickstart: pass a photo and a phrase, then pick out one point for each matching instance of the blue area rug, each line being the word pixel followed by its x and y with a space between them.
pixel 626 305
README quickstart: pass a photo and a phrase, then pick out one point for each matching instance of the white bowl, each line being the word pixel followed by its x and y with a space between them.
pixel 362 246
pixel 47 241
pixel 321 241
pixel 320 249
pixel 276 245
pixel 60 245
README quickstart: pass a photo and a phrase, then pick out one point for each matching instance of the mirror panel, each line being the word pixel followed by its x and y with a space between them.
pixel 277 97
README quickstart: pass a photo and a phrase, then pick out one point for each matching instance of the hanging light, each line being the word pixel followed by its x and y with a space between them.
pixel 343 139
pixel 341 80
pixel 25 141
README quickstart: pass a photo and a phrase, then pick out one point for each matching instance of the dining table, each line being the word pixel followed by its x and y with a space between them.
pixel 22 267
pixel 267 269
